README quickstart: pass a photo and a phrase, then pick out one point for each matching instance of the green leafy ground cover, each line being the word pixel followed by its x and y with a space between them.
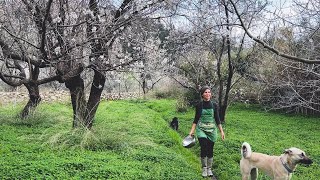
pixel 132 140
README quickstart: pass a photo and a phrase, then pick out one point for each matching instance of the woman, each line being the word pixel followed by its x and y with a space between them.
pixel 205 124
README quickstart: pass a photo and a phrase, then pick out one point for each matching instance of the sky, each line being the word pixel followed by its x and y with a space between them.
pixel 284 5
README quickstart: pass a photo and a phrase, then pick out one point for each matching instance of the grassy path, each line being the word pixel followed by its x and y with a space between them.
pixel 132 140
pixel 267 132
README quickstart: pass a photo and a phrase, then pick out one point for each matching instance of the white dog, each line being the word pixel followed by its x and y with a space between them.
pixel 277 167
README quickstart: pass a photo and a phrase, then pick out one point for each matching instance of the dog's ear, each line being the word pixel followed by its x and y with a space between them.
pixel 287 151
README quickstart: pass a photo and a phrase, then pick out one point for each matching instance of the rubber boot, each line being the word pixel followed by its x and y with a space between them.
pixel 204 161
pixel 209 165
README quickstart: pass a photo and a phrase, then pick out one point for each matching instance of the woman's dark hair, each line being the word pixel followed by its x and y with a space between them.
pixel 203 89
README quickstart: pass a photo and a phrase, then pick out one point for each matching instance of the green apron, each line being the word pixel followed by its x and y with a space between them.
pixel 206 127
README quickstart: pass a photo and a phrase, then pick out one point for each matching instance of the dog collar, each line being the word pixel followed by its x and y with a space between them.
pixel 285 165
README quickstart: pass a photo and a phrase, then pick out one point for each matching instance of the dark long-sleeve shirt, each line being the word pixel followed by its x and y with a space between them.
pixel 206 105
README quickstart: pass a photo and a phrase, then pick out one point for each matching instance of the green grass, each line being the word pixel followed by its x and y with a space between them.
pixel 132 140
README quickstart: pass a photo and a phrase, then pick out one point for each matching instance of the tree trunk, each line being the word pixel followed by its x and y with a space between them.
pixel 34 100
pixel 144 86
pixel 33 90
pixel 220 81
pixel 76 88
pixel 94 98
pixel 224 102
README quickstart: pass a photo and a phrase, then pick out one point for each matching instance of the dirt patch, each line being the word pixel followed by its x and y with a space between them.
pixel 57 96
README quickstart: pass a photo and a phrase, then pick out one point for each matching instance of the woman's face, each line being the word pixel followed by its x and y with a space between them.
pixel 206 95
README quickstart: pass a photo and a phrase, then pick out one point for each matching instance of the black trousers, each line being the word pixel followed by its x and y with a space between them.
pixel 206 147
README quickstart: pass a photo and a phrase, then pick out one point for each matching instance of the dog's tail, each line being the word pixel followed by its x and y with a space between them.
pixel 246 150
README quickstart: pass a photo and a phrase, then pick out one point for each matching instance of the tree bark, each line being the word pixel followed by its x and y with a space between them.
pixel 34 100
pixel 94 98
pixel 220 80
pixel 76 88
pixel 224 102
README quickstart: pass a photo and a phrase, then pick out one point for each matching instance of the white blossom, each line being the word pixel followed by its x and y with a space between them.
pixel 73 15
pixel 94 29
pixel 102 20
pixel 89 12
pixel 73 40
pixel 56 20
pixel 57 50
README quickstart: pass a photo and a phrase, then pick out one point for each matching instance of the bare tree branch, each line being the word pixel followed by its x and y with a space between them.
pixel 265 45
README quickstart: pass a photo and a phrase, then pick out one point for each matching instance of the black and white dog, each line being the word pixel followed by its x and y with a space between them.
pixel 174 123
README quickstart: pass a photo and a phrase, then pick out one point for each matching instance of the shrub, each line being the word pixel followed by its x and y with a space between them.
pixel 167 93
pixel 182 104
pixel 192 97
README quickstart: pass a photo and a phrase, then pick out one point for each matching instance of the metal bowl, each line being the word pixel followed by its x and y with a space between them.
pixel 189 141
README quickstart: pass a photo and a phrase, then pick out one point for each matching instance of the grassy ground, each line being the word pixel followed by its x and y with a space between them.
pixel 132 140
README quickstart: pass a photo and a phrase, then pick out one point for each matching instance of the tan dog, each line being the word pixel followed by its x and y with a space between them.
pixel 277 167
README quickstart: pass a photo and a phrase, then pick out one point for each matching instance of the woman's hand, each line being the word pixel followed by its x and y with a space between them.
pixel 191 133
pixel 221 132
pixel 222 135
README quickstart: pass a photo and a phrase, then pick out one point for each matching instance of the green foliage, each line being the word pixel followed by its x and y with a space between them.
pixel 162 94
pixel 182 104
pixel 192 97
pixel 132 140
